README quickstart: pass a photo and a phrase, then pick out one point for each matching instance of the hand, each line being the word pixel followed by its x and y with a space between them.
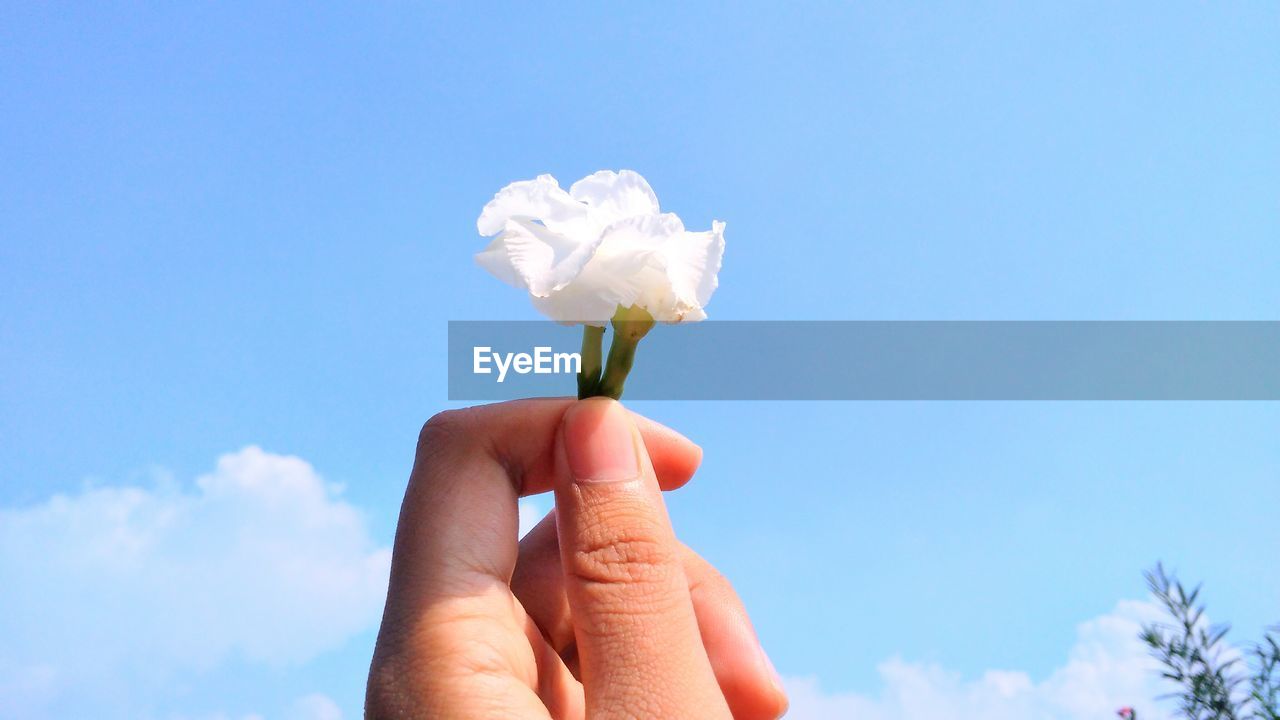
pixel 599 612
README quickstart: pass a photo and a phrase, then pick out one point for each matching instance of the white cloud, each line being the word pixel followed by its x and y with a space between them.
pixel 1107 668
pixel 115 593
pixel 113 596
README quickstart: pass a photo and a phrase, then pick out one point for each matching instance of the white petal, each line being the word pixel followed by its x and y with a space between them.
pixel 495 259
pixel 629 265
pixel 692 315
pixel 540 198
pixel 576 305
pixel 643 232
pixel 614 196
pixel 629 268
pixel 693 264
pixel 528 255
pixel 602 245
pixel 625 278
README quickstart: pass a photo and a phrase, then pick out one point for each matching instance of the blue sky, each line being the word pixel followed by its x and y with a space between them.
pixel 227 227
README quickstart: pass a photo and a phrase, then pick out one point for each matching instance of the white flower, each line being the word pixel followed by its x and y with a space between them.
pixel 581 254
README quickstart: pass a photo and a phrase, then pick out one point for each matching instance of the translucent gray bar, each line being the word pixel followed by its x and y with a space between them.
pixel 892 360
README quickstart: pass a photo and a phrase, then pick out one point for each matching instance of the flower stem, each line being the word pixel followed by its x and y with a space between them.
pixel 589 373
pixel 629 326
pixel 622 355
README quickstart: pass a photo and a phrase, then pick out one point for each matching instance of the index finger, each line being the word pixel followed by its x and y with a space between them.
pixel 521 435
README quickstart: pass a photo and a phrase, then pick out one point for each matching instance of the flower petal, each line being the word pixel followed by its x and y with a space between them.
pixel 646 232
pixel 531 256
pixel 540 198
pixel 495 259
pixel 576 304
pixel 629 266
pixel 693 264
pixel 613 196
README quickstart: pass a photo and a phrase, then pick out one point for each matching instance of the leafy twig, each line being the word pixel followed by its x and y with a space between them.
pixel 1192 653
pixel 1264 686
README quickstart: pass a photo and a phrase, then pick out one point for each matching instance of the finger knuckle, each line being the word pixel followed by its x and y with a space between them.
pixel 455 656
pixel 448 437
pixel 629 560
pixel 444 427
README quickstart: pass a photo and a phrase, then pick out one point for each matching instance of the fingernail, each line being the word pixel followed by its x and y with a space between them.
pixel 599 439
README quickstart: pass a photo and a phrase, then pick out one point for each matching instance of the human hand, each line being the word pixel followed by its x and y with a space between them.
pixel 599 611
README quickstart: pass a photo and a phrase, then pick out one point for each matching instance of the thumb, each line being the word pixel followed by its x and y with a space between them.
pixel 639 647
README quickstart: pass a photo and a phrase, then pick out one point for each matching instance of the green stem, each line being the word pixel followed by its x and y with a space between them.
pixel 589 373
pixel 629 326
pixel 622 355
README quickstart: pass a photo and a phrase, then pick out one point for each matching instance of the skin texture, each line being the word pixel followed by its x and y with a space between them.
pixel 599 612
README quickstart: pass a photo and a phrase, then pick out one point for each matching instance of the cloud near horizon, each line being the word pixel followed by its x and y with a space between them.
pixel 1107 668
pixel 116 594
